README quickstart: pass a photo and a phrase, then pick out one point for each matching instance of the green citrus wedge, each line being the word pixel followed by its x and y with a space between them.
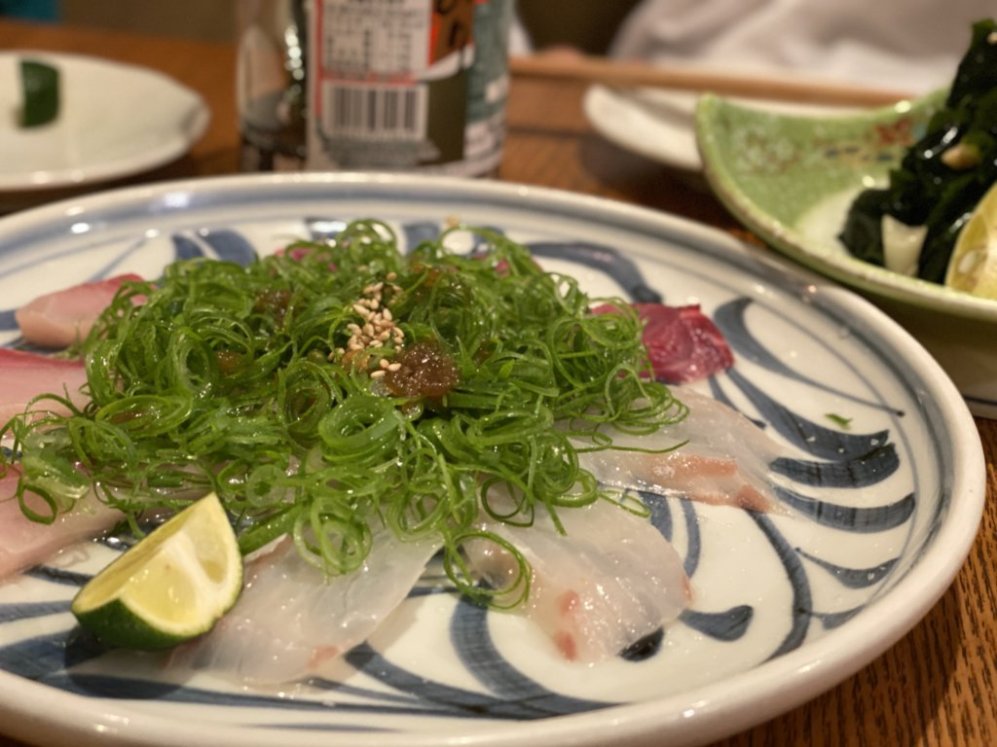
pixel 171 586
pixel 973 266
pixel 40 88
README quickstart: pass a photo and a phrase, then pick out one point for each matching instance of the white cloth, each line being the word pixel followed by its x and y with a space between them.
pixel 911 45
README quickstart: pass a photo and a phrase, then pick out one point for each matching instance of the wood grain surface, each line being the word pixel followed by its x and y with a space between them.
pixel 934 688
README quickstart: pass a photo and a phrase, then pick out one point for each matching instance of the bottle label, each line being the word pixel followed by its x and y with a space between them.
pixel 408 84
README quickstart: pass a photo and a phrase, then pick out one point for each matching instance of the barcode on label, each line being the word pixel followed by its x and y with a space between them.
pixel 374 112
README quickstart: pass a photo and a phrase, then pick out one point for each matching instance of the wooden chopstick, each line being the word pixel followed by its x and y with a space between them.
pixel 624 74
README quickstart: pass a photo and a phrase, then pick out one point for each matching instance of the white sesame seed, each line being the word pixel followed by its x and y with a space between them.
pixel 377 374
pixel 394 366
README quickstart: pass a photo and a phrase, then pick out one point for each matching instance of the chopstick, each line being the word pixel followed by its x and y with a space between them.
pixel 623 74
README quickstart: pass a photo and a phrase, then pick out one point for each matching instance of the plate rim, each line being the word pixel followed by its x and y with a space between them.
pixel 785 682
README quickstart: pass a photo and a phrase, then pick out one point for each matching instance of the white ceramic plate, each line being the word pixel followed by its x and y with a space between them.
pixel 114 120
pixel 881 508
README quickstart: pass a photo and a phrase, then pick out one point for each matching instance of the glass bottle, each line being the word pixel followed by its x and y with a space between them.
pixel 271 76
pixel 395 85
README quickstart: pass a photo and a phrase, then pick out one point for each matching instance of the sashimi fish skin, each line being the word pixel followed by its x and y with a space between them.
pixel 25 543
pixel 26 375
pixel 64 317
pixel 723 460
pixel 291 620
pixel 609 581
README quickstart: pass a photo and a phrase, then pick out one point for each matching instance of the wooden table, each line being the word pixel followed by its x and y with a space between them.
pixel 936 686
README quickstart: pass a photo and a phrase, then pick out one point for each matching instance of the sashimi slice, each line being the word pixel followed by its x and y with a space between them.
pixel 59 319
pixel 291 620
pixel 683 344
pixel 723 458
pixel 25 543
pixel 26 375
pixel 609 581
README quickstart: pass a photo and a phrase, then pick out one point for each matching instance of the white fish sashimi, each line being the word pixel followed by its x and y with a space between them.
pixel 25 543
pixel 724 459
pixel 291 620
pixel 609 581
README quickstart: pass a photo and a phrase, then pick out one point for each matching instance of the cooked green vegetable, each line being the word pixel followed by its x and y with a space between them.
pixel 945 173
pixel 40 93
pixel 341 385
pixel 839 420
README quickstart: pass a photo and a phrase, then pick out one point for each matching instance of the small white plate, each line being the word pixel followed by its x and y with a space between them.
pixel 653 124
pixel 114 120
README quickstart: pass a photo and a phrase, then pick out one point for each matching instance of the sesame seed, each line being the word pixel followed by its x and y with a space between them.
pixel 377 374
pixel 394 366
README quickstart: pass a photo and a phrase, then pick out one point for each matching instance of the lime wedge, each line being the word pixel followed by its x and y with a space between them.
pixel 40 87
pixel 973 266
pixel 171 586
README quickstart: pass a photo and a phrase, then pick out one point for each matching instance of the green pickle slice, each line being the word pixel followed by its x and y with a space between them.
pixel 40 87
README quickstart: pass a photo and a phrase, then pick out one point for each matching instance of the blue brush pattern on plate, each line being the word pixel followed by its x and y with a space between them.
pixel 854 461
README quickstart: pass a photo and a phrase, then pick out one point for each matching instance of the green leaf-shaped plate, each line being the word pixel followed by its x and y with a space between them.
pixel 791 178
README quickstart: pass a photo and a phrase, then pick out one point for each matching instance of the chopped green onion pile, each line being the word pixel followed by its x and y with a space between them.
pixel 285 388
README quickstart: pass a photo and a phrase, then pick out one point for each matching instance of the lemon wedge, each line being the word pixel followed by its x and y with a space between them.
pixel 973 266
pixel 171 586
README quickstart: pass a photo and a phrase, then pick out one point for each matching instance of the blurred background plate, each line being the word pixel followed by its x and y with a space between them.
pixel 114 120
